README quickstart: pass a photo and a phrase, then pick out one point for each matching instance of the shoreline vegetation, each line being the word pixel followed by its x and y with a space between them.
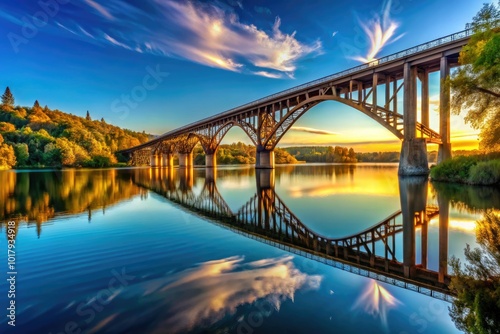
pixel 480 169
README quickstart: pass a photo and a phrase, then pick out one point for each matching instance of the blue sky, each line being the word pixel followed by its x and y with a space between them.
pixel 155 65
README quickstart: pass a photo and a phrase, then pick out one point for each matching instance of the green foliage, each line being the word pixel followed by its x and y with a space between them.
pixel 8 98
pixel 475 85
pixel 281 156
pixel 322 154
pixel 475 169
pixel 485 173
pixel 378 157
pixel 477 283
pixel 50 138
pixel 22 154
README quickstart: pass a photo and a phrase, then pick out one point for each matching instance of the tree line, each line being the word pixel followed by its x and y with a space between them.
pixel 322 154
pixel 41 137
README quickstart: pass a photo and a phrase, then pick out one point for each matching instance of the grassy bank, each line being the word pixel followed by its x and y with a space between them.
pixel 481 169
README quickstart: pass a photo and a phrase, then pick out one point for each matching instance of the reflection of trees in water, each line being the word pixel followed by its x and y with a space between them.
pixel 477 283
pixel 39 196
pixel 474 199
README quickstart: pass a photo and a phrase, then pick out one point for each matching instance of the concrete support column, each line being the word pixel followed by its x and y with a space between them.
pixel 374 93
pixel 425 97
pixel 410 101
pixel 413 160
pixel 265 159
pixel 185 159
pixel 444 152
pixel 210 160
pixel 167 160
pixel 153 160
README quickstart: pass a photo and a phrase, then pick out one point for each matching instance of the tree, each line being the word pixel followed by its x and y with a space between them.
pixel 7 155
pixel 22 154
pixel 477 284
pixel 88 116
pixel 476 85
pixel 8 98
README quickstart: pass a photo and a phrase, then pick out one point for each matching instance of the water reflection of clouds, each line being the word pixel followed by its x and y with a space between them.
pixel 376 301
pixel 207 293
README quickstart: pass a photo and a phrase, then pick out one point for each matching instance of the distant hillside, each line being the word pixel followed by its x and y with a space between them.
pixel 40 137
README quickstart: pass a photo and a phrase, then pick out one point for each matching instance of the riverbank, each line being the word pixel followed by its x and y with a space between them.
pixel 483 169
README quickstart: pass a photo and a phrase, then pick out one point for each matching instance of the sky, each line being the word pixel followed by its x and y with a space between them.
pixel 156 65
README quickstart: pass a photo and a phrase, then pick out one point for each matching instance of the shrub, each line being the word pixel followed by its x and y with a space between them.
pixel 485 173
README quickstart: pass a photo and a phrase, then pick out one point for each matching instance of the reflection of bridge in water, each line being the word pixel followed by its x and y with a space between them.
pixel 371 253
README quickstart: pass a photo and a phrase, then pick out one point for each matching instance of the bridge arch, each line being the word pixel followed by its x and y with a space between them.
pixel 384 117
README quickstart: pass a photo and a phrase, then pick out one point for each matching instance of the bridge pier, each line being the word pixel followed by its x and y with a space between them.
pixel 167 160
pixel 154 160
pixel 210 160
pixel 186 160
pixel 264 159
pixel 444 151
pixel 413 159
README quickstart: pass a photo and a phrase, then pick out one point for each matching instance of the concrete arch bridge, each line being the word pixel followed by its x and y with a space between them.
pixel 373 89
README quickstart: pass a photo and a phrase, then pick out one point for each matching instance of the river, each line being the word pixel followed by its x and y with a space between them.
pixel 145 250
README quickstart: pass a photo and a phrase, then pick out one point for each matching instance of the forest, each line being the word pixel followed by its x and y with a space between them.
pixel 41 137
pixel 322 153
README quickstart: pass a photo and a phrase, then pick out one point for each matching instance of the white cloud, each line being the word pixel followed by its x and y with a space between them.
pixel 380 32
pixel 312 130
pixel 102 10
pixel 202 33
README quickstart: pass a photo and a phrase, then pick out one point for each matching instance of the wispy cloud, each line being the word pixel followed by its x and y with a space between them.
pixel 200 32
pixel 66 28
pixel 312 130
pixel 101 9
pixel 86 33
pixel 380 32
pixel 269 74
pixel 115 42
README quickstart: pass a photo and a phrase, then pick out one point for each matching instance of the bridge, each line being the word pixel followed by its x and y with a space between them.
pixel 266 120
pixel 373 252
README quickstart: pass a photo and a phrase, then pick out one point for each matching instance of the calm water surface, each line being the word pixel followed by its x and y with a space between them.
pixel 105 251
